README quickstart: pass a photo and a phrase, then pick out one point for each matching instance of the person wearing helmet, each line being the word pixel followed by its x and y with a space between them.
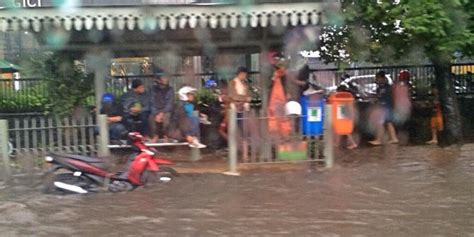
pixel 162 105
pixel 184 117
pixel 111 108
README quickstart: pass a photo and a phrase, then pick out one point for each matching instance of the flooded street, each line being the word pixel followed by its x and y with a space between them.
pixel 265 87
pixel 379 191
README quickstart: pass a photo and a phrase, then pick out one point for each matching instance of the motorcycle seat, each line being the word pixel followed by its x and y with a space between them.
pixel 94 161
pixel 87 159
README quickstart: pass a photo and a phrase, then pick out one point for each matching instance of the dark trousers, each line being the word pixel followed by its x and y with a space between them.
pixel 159 129
pixel 117 131
pixel 138 123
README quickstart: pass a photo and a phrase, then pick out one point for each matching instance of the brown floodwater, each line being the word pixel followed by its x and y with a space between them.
pixel 378 191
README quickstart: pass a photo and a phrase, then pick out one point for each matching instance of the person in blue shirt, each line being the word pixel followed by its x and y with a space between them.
pixel 185 118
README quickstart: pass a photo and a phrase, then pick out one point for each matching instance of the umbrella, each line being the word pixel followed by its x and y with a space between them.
pixel 7 67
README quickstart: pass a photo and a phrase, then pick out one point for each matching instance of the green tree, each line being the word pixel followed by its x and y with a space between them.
pixel 68 85
pixel 383 31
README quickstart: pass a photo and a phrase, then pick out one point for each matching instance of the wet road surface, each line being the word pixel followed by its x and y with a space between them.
pixel 381 191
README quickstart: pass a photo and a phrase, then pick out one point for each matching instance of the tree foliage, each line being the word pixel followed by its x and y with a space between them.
pixel 68 85
pixel 383 31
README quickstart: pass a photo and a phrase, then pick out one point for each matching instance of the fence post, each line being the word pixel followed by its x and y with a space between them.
pixel 195 154
pixel 328 137
pixel 103 135
pixel 4 149
pixel 100 74
pixel 232 141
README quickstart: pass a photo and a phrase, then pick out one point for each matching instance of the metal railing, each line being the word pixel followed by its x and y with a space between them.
pixel 251 141
pixel 22 95
pixel 29 94
pixel 421 77
pixel 38 135
pixel 464 80
pixel 121 84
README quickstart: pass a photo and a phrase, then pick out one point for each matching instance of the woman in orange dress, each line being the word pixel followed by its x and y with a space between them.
pixel 278 124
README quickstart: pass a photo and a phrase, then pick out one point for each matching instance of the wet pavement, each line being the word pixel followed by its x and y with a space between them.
pixel 378 191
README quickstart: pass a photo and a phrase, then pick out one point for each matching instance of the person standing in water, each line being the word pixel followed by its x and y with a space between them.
pixel 385 102
pixel 436 117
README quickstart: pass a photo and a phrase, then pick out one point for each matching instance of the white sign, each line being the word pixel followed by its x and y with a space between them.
pixel 94 3
pixel 342 112
pixel 315 114
pixel 26 3
pixel 310 54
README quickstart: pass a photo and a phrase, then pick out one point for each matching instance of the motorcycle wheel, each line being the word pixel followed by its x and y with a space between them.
pixel 120 186
pixel 67 178
pixel 168 170
pixel 164 175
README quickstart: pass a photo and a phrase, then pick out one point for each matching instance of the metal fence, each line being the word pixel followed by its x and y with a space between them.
pixel 22 95
pixel 121 84
pixel 38 135
pixel 251 140
pixel 462 74
pixel 258 145
pixel 28 94
pixel 421 77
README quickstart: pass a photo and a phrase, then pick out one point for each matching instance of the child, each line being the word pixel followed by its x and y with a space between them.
pixel 188 122
pixel 436 117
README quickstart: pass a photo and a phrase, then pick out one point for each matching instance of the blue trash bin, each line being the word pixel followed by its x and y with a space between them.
pixel 312 115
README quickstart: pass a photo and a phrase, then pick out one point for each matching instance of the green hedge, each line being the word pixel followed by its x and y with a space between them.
pixel 24 100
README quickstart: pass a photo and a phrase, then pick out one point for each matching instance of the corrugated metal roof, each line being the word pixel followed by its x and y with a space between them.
pixel 162 17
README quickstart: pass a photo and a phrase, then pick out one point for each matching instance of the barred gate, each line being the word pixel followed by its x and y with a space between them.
pixel 250 140
pixel 258 145
pixel 36 136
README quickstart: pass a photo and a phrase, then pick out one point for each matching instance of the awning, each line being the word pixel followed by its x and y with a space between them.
pixel 162 17
pixel 7 67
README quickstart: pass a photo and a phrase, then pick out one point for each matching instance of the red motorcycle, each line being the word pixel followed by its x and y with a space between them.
pixel 83 174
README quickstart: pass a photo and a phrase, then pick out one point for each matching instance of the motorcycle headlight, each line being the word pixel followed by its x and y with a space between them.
pixel 48 159
pixel 77 173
